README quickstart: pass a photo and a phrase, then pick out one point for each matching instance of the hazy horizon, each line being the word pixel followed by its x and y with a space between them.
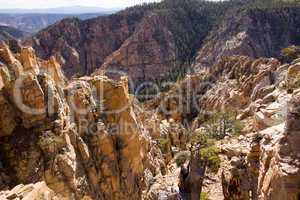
pixel 50 4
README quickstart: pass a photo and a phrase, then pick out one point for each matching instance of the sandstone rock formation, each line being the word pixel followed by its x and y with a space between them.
pixel 264 95
pixel 82 138
pixel 88 138
pixel 266 158
pixel 37 191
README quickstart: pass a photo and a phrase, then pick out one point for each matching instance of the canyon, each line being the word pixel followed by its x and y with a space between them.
pixel 224 123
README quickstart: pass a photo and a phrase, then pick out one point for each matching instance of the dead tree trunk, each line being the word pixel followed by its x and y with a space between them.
pixel 191 177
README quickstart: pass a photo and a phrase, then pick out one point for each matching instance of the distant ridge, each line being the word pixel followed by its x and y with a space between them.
pixel 34 22
pixel 61 10
pixel 7 33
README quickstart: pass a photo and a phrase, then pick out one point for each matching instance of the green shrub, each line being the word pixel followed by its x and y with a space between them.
pixel 295 84
pixel 181 158
pixel 200 137
pixel 207 149
pixel 290 53
pixel 204 196
pixel 211 153
pixel 221 123
pixel 163 144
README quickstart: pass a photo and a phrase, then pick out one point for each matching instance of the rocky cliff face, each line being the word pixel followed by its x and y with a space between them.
pixel 77 144
pixel 82 46
pixel 144 41
pixel 230 131
pixel 89 139
pixel 149 52
pixel 267 102
pixel 255 32
pixel 264 95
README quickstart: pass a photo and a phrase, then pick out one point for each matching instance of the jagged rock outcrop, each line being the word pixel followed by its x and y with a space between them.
pixel 180 103
pixel 270 169
pixel 264 95
pixel 234 82
pixel 81 138
pixel 261 163
pixel 279 173
pixel 87 138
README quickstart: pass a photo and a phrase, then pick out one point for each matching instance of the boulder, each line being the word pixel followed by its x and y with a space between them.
pixel 36 191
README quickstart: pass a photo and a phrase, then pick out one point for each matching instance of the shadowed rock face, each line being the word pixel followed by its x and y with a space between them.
pixel 256 33
pixel 148 41
pixel 81 46
pixel 144 41
pixel 149 52
pixel 8 33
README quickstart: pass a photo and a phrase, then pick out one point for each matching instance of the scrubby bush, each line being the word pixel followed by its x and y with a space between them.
pixel 221 123
pixel 207 150
pixel 181 158
pixel 204 196
pixel 199 137
pixel 163 144
pixel 212 155
pixel 290 53
pixel 296 84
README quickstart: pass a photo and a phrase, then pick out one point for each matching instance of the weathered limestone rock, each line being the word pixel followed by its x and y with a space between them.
pixel 235 181
pixel 164 187
pixel 53 68
pixel 6 57
pixel 88 140
pixel 279 178
pixel 30 99
pixel 102 159
pixel 293 71
pixel 37 191
pixel 29 60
